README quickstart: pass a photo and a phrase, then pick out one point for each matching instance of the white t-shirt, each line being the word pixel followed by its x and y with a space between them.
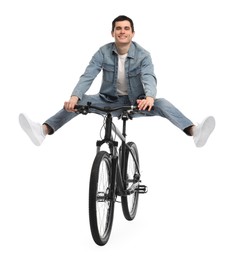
pixel 121 80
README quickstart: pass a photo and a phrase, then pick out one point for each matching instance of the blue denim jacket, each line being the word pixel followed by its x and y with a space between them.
pixel 139 72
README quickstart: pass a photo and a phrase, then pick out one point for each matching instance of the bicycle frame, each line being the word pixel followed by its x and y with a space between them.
pixel 113 145
pixel 108 139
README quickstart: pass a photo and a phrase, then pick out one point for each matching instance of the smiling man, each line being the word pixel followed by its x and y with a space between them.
pixel 128 79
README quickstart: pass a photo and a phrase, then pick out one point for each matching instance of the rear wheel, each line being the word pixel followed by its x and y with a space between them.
pixel 101 203
pixel 130 202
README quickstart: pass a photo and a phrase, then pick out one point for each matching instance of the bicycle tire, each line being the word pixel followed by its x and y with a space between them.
pixel 101 205
pixel 130 202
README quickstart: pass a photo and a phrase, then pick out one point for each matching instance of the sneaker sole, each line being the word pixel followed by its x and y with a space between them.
pixel 24 123
pixel 207 128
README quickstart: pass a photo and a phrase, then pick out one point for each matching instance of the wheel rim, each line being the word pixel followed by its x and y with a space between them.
pixel 131 171
pixel 102 199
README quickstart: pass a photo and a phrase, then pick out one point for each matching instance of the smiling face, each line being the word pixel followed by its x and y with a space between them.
pixel 122 33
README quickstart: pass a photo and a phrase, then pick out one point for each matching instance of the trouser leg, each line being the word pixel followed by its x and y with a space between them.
pixel 62 117
pixel 165 109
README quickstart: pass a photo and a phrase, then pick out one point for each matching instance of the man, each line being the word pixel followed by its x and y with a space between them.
pixel 128 78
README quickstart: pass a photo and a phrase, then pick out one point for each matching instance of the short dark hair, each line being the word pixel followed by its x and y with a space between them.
pixel 121 18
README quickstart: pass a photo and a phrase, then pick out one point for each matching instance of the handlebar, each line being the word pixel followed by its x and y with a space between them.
pixel 84 109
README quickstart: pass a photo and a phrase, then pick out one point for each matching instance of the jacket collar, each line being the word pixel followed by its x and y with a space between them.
pixel 131 50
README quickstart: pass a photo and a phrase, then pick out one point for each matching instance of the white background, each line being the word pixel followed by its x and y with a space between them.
pixel 192 208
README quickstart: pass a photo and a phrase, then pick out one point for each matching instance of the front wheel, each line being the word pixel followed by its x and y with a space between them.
pixel 130 202
pixel 101 203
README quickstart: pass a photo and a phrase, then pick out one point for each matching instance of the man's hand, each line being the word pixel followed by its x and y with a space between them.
pixel 69 106
pixel 144 104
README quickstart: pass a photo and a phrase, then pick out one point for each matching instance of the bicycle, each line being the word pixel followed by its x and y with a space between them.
pixel 114 173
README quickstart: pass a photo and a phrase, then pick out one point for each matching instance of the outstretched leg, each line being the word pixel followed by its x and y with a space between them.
pixel 37 132
pixel 200 132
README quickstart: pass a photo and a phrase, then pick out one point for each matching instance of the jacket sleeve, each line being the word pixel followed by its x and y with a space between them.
pixel 148 77
pixel 87 78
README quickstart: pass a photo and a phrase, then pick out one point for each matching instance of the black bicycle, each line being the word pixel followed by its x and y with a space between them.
pixel 114 173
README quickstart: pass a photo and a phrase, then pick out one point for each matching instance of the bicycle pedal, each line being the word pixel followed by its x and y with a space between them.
pixel 142 189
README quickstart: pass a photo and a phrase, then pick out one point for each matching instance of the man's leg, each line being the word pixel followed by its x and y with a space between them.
pixel 200 132
pixel 37 132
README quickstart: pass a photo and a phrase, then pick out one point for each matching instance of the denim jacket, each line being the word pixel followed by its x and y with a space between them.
pixel 139 73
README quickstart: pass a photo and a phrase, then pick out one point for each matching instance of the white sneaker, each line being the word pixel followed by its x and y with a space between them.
pixel 203 131
pixel 32 129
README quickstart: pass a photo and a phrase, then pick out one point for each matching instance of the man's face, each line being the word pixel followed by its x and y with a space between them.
pixel 123 32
